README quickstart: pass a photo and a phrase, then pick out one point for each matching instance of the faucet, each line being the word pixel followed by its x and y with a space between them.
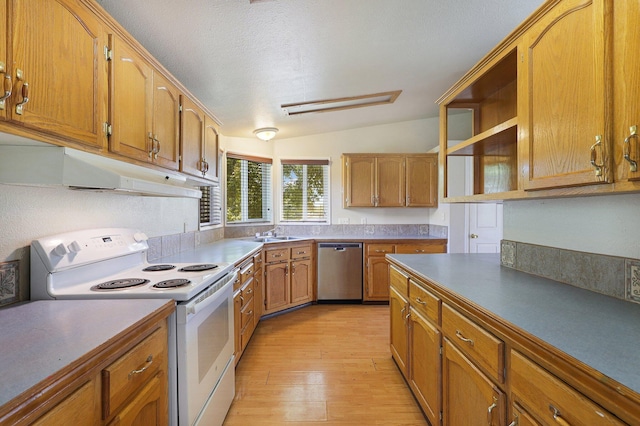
pixel 270 232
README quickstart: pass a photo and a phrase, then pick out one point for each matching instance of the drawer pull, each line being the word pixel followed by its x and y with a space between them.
pixel 250 291
pixel 381 251
pixel 420 301
pixel 277 255
pixel 464 339
pixel 249 313
pixel 419 251
pixel 490 411
pixel 302 252
pixel 515 421
pixel 557 417
pixel 149 361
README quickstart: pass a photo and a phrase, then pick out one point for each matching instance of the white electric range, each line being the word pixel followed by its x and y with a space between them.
pixel 112 263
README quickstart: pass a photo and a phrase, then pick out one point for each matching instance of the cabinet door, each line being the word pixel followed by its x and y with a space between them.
pixel 149 407
pixel 468 396
pixel 211 146
pixel 301 281
pixel 237 325
pixel 568 101
pixel 626 82
pixel 377 288
pixel 258 304
pixel 399 309
pixel 131 102
pixel 276 286
pixel 422 181
pixel 192 137
pixel 5 71
pixel 59 64
pixel 520 417
pixel 390 181
pixel 360 181
pixel 166 122
pixel 425 365
pixel 78 409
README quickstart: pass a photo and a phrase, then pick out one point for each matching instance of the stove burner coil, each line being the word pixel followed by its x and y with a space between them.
pixel 155 268
pixel 198 268
pixel 120 284
pixel 176 282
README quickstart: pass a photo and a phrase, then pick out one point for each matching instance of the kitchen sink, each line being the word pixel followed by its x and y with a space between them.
pixel 272 239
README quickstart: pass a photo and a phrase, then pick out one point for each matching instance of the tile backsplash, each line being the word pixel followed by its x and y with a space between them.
pixel 611 275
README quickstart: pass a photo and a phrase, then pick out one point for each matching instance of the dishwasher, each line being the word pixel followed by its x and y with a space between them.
pixel 339 272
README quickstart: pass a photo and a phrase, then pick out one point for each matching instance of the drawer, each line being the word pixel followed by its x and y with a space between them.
pixel 257 260
pixel 380 249
pixel 247 291
pixel 246 272
pixel 276 255
pixel 246 314
pixel 482 347
pixel 299 252
pixel 399 281
pixel 420 248
pixel 539 392
pixel 246 333
pixel 125 376
pixel 424 301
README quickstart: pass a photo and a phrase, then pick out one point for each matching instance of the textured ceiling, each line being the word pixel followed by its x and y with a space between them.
pixel 243 60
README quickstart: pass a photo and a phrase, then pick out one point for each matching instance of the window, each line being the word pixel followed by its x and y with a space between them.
pixel 210 206
pixel 305 191
pixel 248 189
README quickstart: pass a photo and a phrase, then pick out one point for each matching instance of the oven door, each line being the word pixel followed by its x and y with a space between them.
pixel 204 331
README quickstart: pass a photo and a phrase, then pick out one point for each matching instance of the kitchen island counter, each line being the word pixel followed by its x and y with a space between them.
pixel 43 341
pixel 600 331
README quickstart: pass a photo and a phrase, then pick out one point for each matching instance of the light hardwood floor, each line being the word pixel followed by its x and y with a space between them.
pixel 327 364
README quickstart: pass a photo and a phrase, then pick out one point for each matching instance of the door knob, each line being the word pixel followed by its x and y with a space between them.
pixel 474 235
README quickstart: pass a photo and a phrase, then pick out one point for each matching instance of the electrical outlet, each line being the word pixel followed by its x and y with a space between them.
pixel 9 289
pixel 343 221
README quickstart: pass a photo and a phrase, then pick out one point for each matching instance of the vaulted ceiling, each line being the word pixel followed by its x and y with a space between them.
pixel 245 59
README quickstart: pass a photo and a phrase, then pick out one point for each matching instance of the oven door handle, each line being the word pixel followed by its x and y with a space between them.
pixel 208 296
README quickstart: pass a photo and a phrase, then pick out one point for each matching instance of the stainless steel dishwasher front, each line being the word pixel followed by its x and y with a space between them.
pixel 339 271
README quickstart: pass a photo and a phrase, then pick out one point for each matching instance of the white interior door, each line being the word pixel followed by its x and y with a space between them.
pixel 485 227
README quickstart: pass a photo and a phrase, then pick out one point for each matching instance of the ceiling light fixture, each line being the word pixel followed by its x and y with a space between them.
pixel 266 133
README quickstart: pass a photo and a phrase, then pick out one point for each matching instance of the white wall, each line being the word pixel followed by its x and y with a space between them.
pixel 601 224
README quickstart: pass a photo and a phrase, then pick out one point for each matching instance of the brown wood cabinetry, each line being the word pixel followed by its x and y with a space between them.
pixel 247 300
pixel 555 106
pixel 122 382
pixel 376 279
pixel 288 275
pixel 199 134
pixel 489 371
pixel 56 78
pixel 390 180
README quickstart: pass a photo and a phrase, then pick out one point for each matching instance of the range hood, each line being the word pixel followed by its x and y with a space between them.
pixel 48 165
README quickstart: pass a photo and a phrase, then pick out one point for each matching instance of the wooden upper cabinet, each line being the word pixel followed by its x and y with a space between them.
pixel 626 80
pixel 386 180
pixel 131 78
pixel 565 112
pixel 166 122
pixel 58 63
pixel 192 136
pixel 422 181
pixel 360 181
pixel 390 181
pixel 211 149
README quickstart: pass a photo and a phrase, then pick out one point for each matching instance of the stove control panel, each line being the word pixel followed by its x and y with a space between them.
pixel 78 248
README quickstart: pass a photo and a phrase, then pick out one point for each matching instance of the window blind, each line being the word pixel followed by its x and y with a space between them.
pixel 305 191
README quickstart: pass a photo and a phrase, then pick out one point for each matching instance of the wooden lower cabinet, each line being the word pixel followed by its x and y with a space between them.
pixel 469 397
pixel 288 276
pixel 399 306
pixel 425 365
pixel 376 285
pixel 147 408
pixel 78 409
pixel 247 302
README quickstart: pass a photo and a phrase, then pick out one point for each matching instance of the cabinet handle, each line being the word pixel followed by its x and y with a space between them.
pixel 419 251
pixel 241 300
pixel 596 166
pixel 249 313
pixel 516 420
pixel 149 361
pixel 153 144
pixel 381 251
pixel 302 252
pixel 490 411
pixel 633 165
pixel 156 149
pixel 420 301
pixel 276 255
pixel 464 339
pixel 25 92
pixel 250 291
pixel 8 86
pixel 557 416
